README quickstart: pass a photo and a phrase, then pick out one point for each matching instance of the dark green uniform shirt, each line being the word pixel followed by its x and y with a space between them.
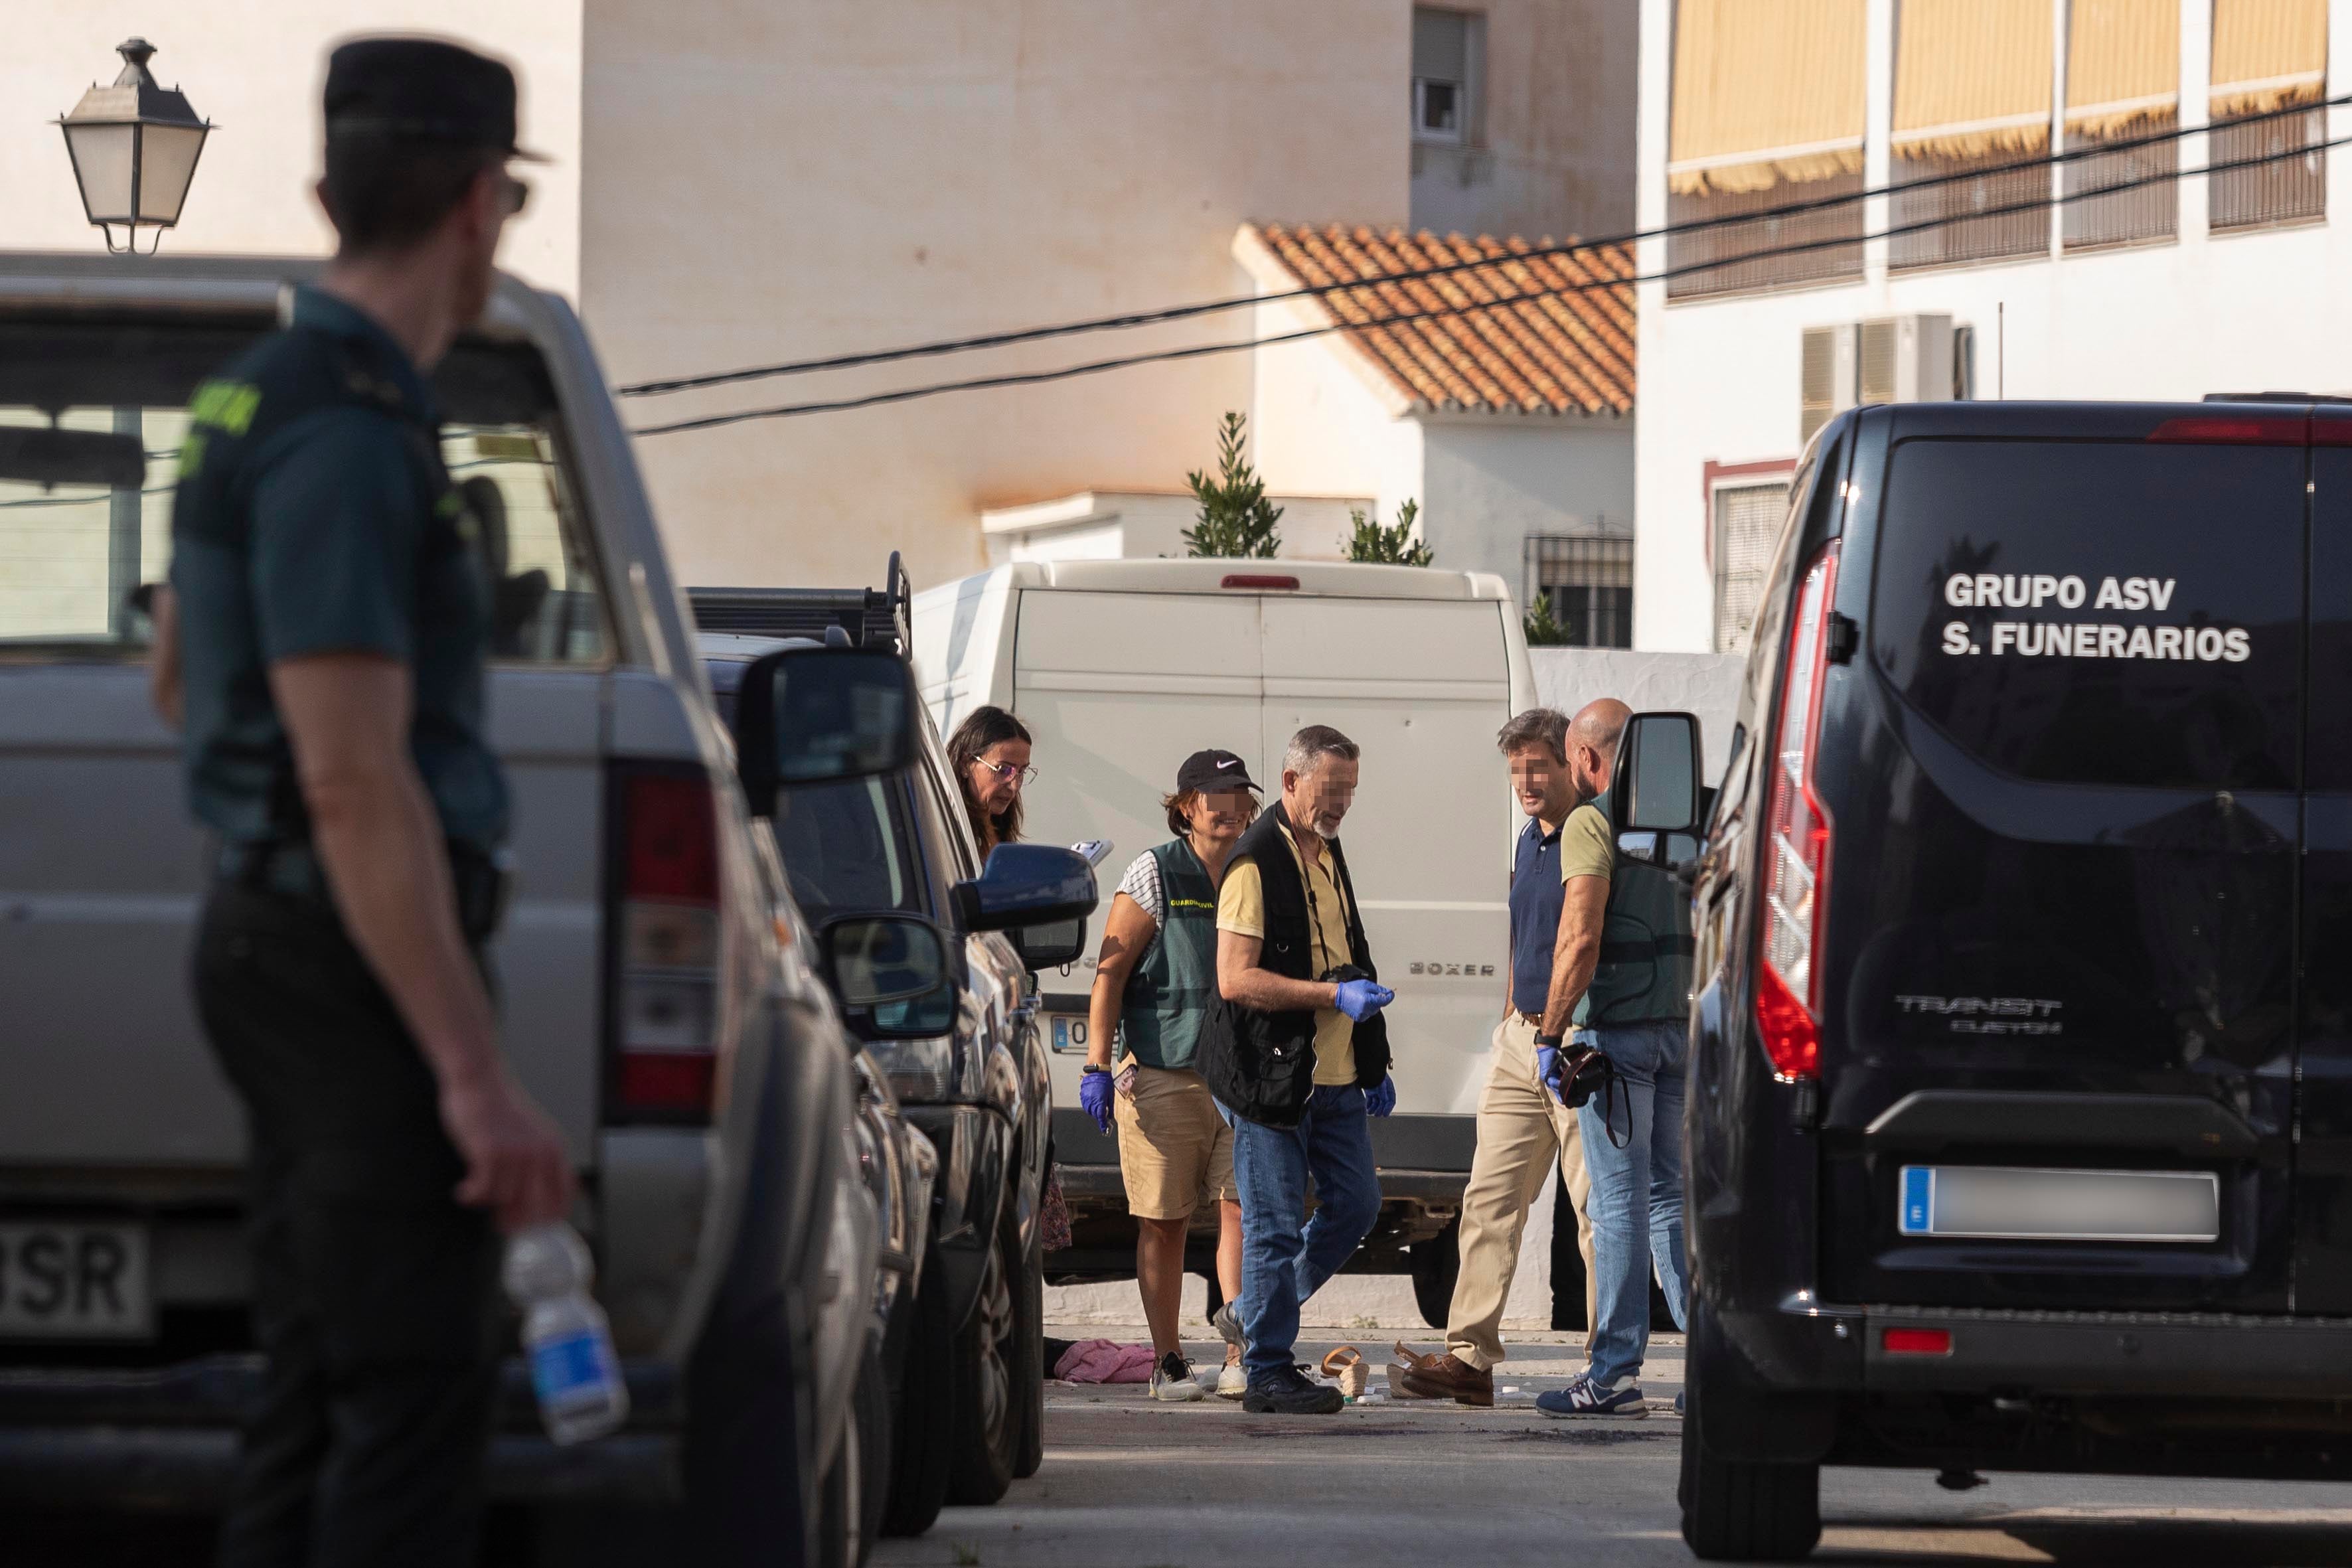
pixel 313 516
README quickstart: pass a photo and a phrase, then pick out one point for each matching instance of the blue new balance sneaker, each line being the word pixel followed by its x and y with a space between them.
pixel 1584 1397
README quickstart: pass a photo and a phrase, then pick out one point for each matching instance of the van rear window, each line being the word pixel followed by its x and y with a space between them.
pixel 2099 612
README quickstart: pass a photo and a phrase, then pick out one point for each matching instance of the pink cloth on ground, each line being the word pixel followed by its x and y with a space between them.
pixel 1103 1360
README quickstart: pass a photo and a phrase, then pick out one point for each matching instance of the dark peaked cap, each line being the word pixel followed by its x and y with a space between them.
pixel 422 90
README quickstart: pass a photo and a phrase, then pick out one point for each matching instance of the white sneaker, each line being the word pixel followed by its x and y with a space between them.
pixel 1172 1380
pixel 1233 1381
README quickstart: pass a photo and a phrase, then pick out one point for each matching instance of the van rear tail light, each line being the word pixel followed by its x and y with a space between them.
pixel 665 939
pixel 1271 582
pixel 2235 430
pixel 1797 842
pixel 1916 1341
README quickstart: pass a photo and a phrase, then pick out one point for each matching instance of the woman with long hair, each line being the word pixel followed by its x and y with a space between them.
pixel 990 754
pixel 1154 982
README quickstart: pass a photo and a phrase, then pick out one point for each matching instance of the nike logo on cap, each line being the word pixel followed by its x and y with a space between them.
pixel 1230 762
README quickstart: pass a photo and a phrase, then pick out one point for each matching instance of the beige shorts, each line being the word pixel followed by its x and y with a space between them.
pixel 1175 1152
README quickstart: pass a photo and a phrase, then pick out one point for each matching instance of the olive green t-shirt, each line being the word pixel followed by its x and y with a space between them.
pixel 1584 847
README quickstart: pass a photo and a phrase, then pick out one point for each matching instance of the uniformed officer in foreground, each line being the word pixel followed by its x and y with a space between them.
pixel 332 625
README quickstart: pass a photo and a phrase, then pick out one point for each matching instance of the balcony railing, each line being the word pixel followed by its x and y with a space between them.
pixel 2291 189
pixel 2146 208
pixel 1957 235
pixel 1724 261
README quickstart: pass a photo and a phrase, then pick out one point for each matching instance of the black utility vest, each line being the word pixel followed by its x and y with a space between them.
pixel 1260 1066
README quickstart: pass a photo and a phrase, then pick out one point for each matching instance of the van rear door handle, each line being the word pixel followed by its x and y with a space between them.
pixel 1930 1118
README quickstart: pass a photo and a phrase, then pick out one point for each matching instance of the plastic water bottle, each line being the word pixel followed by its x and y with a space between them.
pixel 564 1334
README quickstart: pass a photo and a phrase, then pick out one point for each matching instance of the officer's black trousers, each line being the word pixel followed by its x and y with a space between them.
pixel 373 1290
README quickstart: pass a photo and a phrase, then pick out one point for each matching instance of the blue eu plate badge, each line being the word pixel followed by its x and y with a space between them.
pixel 1919 1200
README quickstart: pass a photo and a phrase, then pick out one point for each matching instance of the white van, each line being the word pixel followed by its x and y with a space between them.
pixel 1122 669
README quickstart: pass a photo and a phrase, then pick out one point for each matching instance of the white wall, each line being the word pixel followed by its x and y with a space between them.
pixel 1706 684
pixel 1489 480
pixel 2253 310
pixel 256 72
pixel 774 180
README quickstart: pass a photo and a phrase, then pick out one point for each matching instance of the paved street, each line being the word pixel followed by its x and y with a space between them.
pixel 1128 1484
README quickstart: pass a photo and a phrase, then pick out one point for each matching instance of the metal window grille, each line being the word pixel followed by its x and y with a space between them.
pixel 2145 210
pixel 1710 261
pixel 1957 236
pixel 1589 582
pixel 1747 521
pixel 2281 189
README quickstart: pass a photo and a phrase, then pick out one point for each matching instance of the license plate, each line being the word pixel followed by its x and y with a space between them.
pixel 2003 1203
pixel 1070 1034
pixel 68 1280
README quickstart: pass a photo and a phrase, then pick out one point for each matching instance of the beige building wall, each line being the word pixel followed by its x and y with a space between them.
pixel 1551 149
pixel 774 180
pixel 255 70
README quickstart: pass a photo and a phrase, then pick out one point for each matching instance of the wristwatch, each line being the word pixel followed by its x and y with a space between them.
pixel 1091 1068
pixel 1547 1041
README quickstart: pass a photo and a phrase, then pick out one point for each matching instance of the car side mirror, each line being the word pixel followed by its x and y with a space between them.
pixel 813 715
pixel 891 974
pixel 1050 945
pixel 1027 885
pixel 1655 786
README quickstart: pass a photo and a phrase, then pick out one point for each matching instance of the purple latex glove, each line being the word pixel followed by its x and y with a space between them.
pixel 1548 1069
pixel 1359 999
pixel 1382 1100
pixel 1095 1096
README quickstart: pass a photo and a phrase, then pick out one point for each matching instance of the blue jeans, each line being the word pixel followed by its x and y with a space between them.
pixel 1284 1261
pixel 1637 1190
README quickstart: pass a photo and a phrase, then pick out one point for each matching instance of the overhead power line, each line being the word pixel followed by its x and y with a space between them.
pixel 1199 350
pixel 1316 291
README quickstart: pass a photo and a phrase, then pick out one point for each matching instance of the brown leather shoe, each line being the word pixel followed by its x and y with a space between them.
pixel 1450 1377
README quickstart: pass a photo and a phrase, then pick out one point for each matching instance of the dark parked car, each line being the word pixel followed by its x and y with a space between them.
pixel 965 1358
pixel 2021 1109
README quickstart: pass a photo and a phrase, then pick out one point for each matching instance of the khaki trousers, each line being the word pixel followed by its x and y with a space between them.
pixel 1522 1132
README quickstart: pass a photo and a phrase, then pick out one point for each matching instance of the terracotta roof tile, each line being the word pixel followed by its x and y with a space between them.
pixel 1525 328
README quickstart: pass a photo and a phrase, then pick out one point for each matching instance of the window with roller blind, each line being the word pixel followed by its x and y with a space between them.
pixel 2268 143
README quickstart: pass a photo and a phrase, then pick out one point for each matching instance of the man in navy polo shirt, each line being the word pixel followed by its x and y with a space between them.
pixel 1522 1128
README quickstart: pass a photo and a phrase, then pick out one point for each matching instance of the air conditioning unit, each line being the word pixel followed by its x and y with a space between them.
pixel 1897 359
pixel 1908 359
pixel 1830 377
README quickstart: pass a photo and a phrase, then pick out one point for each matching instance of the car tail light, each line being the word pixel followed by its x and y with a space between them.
pixel 1916 1341
pixel 1797 841
pixel 2235 429
pixel 665 939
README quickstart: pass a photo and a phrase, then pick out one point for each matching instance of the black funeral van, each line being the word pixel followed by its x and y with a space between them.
pixel 2021 1074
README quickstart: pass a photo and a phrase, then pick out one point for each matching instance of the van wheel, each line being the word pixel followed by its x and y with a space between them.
pixel 925 1448
pixel 987 1357
pixel 1736 1511
pixel 1436 1263
pixel 1029 1387
pixel 851 1514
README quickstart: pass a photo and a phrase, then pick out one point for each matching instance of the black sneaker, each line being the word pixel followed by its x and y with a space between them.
pixel 1287 1391
pixel 1173 1381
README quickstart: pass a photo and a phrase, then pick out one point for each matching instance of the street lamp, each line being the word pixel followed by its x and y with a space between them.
pixel 134 149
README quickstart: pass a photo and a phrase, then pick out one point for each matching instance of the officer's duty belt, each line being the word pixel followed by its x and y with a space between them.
pixel 291 866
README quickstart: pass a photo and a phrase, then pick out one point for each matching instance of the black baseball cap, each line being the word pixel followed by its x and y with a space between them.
pixel 424 91
pixel 1213 773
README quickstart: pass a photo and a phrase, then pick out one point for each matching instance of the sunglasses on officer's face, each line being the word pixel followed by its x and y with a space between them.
pixel 513 194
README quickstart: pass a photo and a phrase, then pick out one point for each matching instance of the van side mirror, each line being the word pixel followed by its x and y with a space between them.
pixel 813 715
pixel 1025 885
pixel 891 974
pixel 1655 787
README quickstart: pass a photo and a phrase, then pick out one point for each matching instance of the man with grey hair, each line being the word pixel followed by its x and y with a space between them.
pixel 1524 1129
pixel 1297 1054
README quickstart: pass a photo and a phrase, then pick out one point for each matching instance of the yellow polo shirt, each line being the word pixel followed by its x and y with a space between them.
pixel 1241 908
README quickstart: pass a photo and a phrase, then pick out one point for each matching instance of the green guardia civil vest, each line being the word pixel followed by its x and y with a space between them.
pixel 1169 992
pixel 1646 949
